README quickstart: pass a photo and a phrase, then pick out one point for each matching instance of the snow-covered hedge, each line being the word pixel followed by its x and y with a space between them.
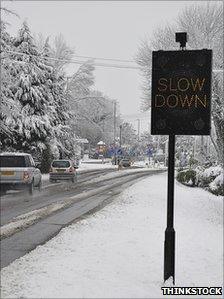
pixel 208 175
pixel 217 186
pixel 210 178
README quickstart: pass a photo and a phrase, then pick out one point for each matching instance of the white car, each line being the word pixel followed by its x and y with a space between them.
pixel 18 171
pixel 63 170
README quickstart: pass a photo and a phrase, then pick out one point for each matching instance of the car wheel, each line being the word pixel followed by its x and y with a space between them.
pixel 40 185
pixel 74 179
pixel 30 188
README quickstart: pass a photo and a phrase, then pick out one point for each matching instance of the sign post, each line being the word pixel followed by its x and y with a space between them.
pixel 181 104
pixel 169 245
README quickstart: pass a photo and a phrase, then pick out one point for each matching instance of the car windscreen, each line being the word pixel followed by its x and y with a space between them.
pixel 12 161
pixel 61 164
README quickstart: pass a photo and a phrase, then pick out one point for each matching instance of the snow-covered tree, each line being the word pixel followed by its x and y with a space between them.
pixel 218 116
pixel 58 103
pixel 61 52
pixel 31 91
pixel 96 123
pixel 56 88
pixel 9 108
pixel 128 134
pixel 65 91
pixel 80 83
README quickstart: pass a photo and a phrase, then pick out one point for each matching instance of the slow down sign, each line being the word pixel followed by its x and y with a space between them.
pixel 181 92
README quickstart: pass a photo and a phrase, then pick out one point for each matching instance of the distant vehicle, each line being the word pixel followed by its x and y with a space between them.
pixel 19 171
pixel 159 157
pixel 125 162
pixel 63 170
pixel 116 159
pixel 93 156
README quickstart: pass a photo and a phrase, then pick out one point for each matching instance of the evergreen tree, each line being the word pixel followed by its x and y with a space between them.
pixel 56 88
pixel 60 128
pixel 9 108
pixel 31 90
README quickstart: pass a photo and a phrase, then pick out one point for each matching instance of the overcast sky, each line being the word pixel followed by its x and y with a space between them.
pixel 107 29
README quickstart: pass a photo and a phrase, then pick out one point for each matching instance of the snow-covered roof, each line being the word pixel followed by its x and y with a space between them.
pixel 13 154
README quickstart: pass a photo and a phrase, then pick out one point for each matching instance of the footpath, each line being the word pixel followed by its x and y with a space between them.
pixel 118 251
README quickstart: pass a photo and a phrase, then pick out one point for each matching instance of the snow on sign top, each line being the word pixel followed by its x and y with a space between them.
pixel 181 92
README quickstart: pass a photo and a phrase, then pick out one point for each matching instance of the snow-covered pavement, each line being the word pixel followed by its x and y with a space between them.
pixel 118 252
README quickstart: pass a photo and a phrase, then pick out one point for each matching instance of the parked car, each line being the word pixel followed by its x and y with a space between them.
pixel 19 171
pixel 63 170
pixel 125 162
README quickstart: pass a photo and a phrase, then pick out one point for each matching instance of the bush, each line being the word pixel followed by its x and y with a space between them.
pixel 193 162
pixel 208 175
pixel 217 186
pixel 187 177
pixel 210 178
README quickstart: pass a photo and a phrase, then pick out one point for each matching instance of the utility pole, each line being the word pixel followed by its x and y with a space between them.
pixel 115 108
pixel 120 135
pixel 138 129
pixel 115 116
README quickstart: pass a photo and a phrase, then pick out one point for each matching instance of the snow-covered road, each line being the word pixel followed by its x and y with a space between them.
pixel 118 251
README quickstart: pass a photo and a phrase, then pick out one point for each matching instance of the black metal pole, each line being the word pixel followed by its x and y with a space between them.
pixel 120 135
pixel 169 244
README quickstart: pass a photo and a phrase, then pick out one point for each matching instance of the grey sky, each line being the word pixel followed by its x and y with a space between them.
pixel 110 29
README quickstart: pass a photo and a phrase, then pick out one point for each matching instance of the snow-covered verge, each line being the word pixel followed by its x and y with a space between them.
pixel 118 252
pixel 217 186
pixel 210 178
pixel 25 220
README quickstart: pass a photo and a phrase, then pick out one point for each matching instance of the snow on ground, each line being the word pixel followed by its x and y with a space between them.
pixel 93 164
pixel 120 173
pixel 27 219
pixel 90 164
pixel 118 251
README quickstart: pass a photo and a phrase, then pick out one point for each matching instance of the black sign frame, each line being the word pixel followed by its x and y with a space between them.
pixel 181 92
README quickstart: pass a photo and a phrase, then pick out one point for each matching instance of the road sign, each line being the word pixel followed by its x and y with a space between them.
pixel 119 151
pixel 181 92
pixel 149 152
